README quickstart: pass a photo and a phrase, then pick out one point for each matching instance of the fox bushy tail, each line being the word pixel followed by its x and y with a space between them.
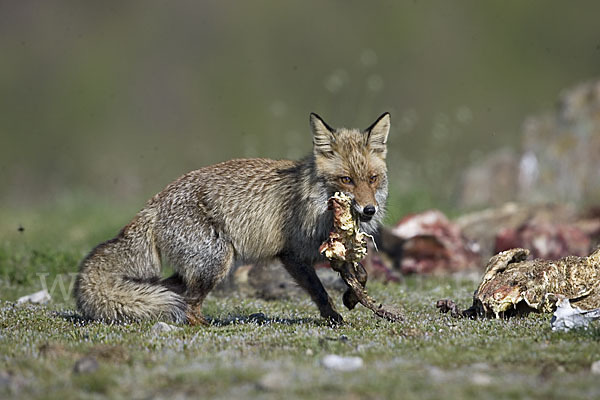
pixel 119 280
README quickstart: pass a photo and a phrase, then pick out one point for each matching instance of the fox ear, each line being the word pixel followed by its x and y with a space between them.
pixel 377 134
pixel 323 136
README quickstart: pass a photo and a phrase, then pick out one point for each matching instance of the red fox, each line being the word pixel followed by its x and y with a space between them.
pixel 245 209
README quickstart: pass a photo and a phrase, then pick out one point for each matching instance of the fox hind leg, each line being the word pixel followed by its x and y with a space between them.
pixel 193 311
pixel 202 276
pixel 200 262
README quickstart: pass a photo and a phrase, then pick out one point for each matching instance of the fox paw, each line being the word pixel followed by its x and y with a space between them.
pixel 195 319
pixel 332 316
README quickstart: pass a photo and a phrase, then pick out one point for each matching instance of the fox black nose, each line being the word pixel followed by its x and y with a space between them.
pixel 369 210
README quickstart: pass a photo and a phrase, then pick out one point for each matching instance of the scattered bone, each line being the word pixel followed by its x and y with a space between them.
pixel 567 317
pixel 429 242
pixel 513 285
pixel 41 297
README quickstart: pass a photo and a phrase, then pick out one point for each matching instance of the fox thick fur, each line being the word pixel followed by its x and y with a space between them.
pixel 246 210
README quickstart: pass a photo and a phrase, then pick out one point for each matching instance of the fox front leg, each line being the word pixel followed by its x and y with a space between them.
pixel 307 278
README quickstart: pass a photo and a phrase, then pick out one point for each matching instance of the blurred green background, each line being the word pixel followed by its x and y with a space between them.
pixel 110 101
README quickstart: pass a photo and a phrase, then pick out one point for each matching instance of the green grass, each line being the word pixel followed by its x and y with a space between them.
pixel 427 356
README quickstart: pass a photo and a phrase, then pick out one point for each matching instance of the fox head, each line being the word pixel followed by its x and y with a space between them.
pixel 353 162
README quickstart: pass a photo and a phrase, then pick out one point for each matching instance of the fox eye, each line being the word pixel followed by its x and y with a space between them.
pixel 373 179
pixel 346 180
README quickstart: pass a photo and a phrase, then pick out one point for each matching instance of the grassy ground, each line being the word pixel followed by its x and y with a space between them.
pixel 275 355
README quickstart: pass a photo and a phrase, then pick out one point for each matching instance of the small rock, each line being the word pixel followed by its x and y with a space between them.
pixel 274 380
pixel 480 379
pixel 438 374
pixel 338 363
pixel 41 297
pixel 85 365
pixel 595 368
pixel 161 327
pixel 309 352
